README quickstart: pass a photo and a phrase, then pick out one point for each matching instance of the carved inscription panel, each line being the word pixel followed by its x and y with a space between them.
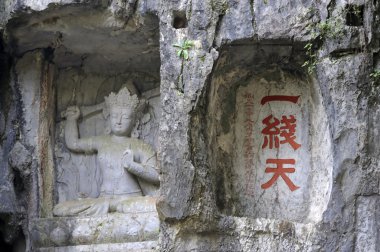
pixel 278 165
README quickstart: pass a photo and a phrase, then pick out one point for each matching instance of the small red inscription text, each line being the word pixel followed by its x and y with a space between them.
pixel 248 143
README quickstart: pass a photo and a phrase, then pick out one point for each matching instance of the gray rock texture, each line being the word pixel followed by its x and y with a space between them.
pixel 54 53
pixel 148 246
pixel 69 231
pixel 20 159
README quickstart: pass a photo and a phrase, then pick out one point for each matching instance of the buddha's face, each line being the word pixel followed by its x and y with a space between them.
pixel 121 120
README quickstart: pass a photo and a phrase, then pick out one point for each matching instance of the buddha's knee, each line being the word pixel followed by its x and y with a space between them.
pixel 137 205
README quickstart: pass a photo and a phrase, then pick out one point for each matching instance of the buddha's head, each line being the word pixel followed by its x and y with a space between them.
pixel 122 110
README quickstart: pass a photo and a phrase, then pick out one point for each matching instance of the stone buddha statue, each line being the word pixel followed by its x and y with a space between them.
pixel 128 165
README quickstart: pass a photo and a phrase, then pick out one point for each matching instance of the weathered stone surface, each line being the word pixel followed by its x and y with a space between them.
pixel 112 228
pixel 57 29
pixel 235 21
pixel 271 235
pixel 2 123
pixel 20 159
pixel 149 246
pixel 95 45
pixel 367 224
pixel 285 19
pixel 348 76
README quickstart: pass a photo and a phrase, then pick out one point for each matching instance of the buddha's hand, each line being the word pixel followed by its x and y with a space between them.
pixel 72 113
pixel 128 158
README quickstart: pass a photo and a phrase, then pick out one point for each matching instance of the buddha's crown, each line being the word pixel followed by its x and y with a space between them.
pixel 122 99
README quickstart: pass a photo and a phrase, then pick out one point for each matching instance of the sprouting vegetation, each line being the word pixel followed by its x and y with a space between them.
pixel 332 28
pixel 183 48
pixel 375 76
pixel 311 62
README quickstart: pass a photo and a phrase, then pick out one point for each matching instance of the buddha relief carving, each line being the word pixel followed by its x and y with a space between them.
pixel 129 174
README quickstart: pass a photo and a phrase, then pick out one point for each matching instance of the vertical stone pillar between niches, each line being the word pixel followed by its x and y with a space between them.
pixel 183 175
pixel 27 78
pixel 46 140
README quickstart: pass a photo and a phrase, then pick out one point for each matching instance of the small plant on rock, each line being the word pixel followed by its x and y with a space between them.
pixel 332 28
pixel 311 63
pixel 375 75
pixel 183 48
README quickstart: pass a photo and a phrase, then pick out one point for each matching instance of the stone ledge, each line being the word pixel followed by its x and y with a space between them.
pixel 147 246
pixel 111 228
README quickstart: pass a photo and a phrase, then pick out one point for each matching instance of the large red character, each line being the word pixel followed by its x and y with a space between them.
pixel 287 98
pixel 271 132
pixel 288 130
pixel 280 171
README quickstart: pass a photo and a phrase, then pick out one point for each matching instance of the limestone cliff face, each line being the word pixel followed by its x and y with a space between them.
pixel 50 48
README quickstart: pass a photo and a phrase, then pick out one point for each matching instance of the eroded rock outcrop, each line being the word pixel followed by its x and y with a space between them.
pixel 242 65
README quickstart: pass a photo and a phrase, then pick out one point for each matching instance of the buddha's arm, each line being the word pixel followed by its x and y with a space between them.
pixel 73 142
pixel 145 170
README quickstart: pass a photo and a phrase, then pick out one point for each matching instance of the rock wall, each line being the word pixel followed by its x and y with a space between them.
pixel 324 51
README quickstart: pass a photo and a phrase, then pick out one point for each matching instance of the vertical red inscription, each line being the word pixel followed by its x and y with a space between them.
pixel 248 144
pixel 277 132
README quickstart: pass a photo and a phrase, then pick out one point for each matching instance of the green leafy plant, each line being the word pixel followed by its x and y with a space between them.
pixel 183 53
pixel 331 28
pixel 311 63
pixel 356 10
pixel 375 75
pixel 183 48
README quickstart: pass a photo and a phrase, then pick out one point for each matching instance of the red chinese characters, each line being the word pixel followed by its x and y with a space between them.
pixel 278 132
pixel 286 131
pixel 280 171
pixel 248 143
pixel 270 98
